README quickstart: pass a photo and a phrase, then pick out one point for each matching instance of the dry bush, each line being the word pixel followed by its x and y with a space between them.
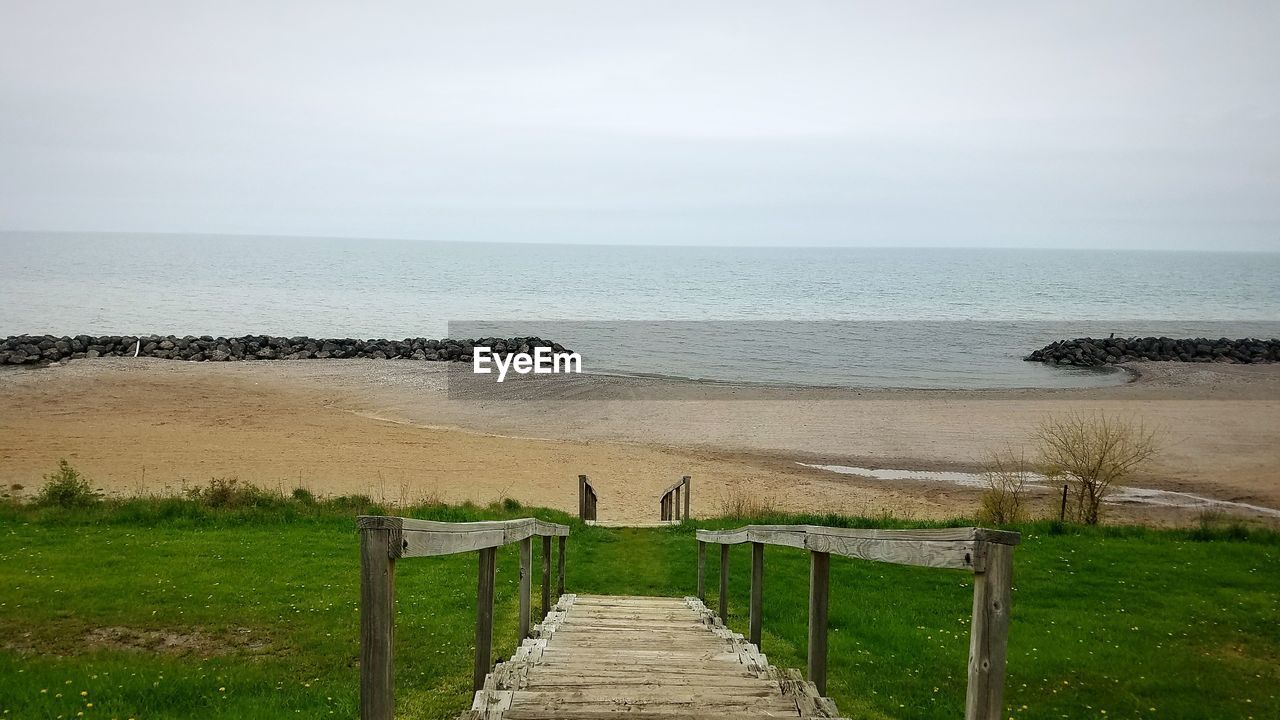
pixel 230 493
pixel 1093 452
pixel 1007 475
pixel 746 505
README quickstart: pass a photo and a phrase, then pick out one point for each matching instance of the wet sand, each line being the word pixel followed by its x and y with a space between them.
pixel 390 429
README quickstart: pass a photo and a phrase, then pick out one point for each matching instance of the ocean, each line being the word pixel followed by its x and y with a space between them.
pixel 854 317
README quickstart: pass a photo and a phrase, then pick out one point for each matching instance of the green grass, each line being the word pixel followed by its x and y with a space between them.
pixel 1136 623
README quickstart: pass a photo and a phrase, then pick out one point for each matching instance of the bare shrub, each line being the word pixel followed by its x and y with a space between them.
pixel 1007 475
pixel 1093 451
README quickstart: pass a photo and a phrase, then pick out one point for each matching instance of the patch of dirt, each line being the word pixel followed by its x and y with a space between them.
pixel 160 642
pixel 168 642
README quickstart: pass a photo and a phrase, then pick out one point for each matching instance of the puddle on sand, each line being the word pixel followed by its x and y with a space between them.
pixel 1120 494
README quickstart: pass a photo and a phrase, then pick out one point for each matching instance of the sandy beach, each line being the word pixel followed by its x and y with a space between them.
pixel 391 430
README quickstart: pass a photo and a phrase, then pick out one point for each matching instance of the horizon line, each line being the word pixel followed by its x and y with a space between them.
pixel 565 243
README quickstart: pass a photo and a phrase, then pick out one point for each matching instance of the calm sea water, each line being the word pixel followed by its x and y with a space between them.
pixel 855 316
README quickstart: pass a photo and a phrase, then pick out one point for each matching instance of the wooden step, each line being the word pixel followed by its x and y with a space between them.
pixel 599 657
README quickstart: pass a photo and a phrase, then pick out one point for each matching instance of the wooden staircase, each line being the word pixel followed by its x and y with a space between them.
pixel 598 656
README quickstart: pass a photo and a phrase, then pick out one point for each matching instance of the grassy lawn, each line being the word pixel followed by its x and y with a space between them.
pixel 169 609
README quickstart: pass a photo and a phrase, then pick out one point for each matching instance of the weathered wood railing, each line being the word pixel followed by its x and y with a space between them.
pixel 669 505
pixel 383 540
pixel 586 499
pixel 988 554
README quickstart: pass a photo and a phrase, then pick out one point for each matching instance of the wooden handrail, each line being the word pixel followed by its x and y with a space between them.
pixel 383 540
pixel 988 554
pixel 427 538
pixel 960 548
pixel 669 505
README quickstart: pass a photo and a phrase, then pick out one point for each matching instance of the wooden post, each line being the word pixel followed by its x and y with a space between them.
pixel 1062 513
pixel 724 583
pixel 378 549
pixel 687 481
pixel 559 566
pixel 819 574
pixel 526 585
pixel 484 616
pixel 675 504
pixel 546 575
pixel 757 591
pixel 702 571
pixel 582 497
pixel 989 637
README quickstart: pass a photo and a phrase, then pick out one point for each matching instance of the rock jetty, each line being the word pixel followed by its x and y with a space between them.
pixel 1094 352
pixel 45 349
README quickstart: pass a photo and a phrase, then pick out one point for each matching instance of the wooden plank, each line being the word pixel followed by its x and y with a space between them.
pixel 640 638
pixel 424 538
pixel 378 547
pixel 629 600
pixel 819 578
pixel 657 627
pixel 543 528
pixel 989 635
pixel 654 618
pixel 777 534
pixel 624 616
pixel 939 554
pixel 724 583
pixel 598 660
pixel 702 571
pixel 688 485
pixel 654 655
pixel 601 607
pixel 708 671
pixel 723 537
pixel 654 667
pixel 655 710
pixel 560 566
pixel 675 503
pixel 619 616
pixel 484 615
pixel 430 544
pixel 578 620
pixel 399 523
pixel 546 575
pixel 526 586
pixel 573 681
pixel 642 695
pixel 757 592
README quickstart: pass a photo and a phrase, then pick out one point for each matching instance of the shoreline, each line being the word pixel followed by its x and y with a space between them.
pixel 391 429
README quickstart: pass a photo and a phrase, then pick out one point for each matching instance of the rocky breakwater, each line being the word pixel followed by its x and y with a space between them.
pixel 45 349
pixel 1094 352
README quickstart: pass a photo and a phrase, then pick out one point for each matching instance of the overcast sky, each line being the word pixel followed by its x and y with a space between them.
pixel 1071 124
